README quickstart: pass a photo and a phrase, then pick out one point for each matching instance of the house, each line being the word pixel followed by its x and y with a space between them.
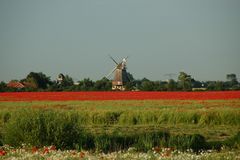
pixel 14 84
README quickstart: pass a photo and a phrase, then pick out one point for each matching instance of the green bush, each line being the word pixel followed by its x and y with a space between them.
pixel 43 127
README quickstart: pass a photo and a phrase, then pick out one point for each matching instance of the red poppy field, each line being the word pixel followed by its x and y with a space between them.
pixel 80 96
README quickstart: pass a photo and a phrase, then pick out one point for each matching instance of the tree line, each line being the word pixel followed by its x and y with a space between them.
pixel 38 81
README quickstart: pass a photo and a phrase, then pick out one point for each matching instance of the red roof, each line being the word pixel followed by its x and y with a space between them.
pixel 15 85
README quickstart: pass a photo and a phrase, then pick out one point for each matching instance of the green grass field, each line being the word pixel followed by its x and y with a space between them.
pixel 117 125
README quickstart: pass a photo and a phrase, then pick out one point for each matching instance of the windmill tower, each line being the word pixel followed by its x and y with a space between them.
pixel 120 75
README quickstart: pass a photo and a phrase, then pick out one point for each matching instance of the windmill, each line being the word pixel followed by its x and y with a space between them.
pixel 120 75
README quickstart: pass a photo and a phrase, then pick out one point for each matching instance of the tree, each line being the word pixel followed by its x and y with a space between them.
pixel 67 81
pixel 37 80
pixel 231 77
pixel 160 86
pixel 3 86
pixel 215 85
pixel 147 85
pixel 232 81
pixel 86 84
pixel 197 84
pixel 103 85
pixel 211 85
pixel 171 85
pixel 185 81
pixel 54 87
pixel 219 86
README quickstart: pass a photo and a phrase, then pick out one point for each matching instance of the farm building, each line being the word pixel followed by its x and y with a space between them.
pixel 14 84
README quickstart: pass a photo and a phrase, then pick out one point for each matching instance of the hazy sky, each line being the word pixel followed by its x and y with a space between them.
pixel 74 37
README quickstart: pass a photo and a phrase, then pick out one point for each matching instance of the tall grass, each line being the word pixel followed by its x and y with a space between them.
pixel 195 142
pixel 167 116
pixel 65 130
pixel 42 127
pixel 140 112
pixel 66 124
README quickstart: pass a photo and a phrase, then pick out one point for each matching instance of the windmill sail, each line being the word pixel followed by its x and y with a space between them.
pixel 111 72
pixel 113 60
